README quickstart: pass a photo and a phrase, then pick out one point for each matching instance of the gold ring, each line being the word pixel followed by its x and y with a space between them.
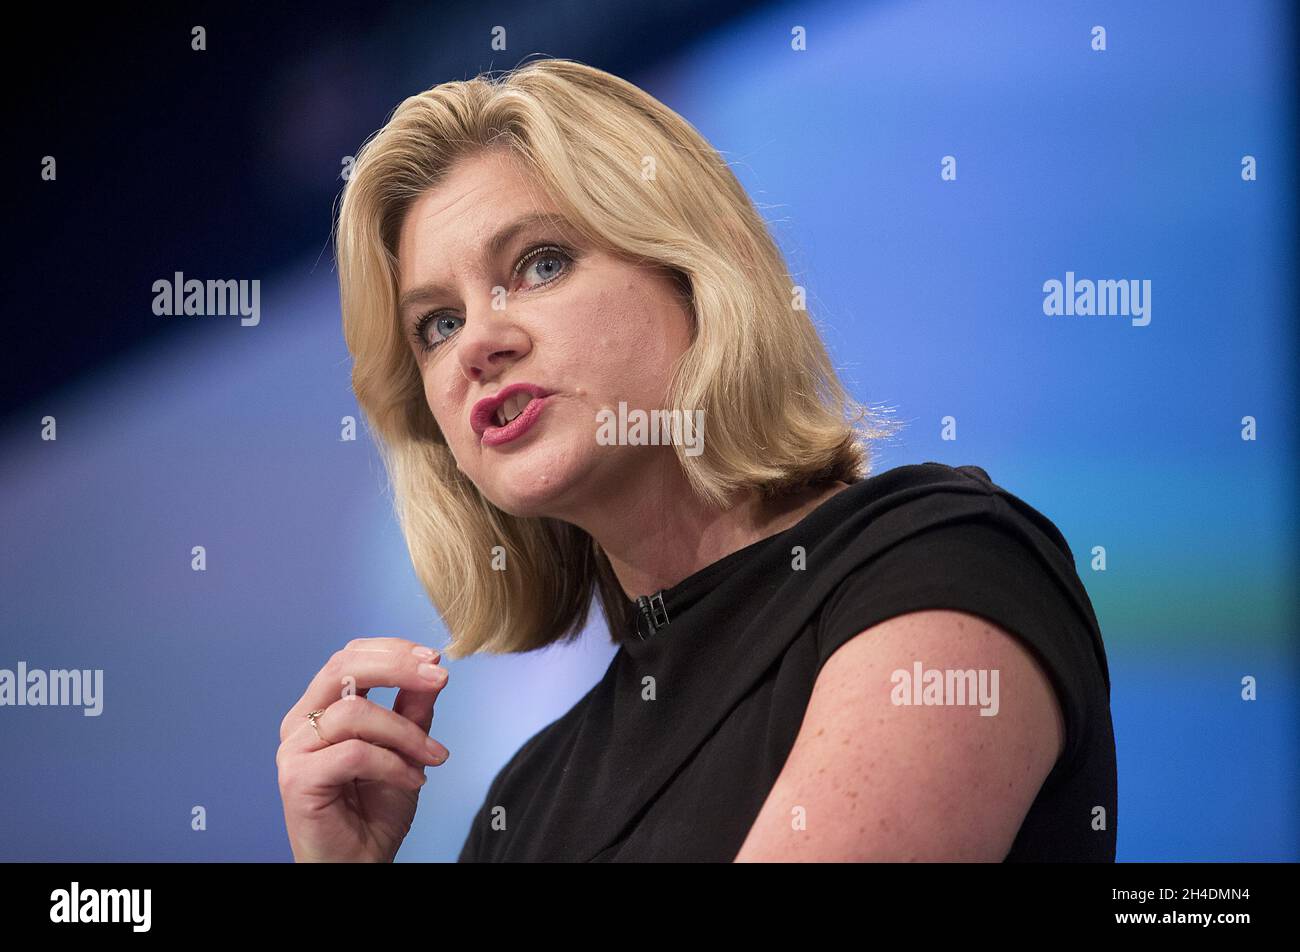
pixel 312 717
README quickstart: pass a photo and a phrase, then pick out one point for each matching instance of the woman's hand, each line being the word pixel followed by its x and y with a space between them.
pixel 350 794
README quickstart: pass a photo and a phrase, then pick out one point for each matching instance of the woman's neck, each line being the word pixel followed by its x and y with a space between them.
pixel 656 535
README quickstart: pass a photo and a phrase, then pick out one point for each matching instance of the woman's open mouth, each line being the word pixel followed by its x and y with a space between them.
pixel 514 418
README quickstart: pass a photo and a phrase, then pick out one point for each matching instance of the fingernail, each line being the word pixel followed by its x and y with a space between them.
pixel 431 673
pixel 428 654
pixel 437 750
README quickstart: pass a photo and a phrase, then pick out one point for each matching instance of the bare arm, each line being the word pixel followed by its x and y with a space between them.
pixel 869 779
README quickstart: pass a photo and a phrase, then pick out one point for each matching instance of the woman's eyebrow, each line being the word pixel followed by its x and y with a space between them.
pixel 492 249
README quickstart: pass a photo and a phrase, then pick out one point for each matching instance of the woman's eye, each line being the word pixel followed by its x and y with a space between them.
pixel 441 326
pixel 443 329
pixel 540 266
pixel 546 263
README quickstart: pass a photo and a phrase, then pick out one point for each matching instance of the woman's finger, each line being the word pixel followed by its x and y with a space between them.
pixel 357 718
pixel 364 664
pixel 354 759
pixel 416 707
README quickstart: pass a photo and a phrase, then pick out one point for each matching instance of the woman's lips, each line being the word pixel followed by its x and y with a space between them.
pixel 496 435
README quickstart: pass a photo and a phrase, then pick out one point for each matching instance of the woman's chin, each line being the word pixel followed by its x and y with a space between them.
pixel 529 494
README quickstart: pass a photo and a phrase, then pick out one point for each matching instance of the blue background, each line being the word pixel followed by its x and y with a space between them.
pixel 1115 164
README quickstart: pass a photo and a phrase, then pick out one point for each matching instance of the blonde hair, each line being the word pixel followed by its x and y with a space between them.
pixel 584 135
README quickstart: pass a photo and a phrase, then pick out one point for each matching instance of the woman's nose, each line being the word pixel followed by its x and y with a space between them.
pixel 493 342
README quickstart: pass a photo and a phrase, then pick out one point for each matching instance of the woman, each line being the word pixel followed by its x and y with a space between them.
pixel 813 664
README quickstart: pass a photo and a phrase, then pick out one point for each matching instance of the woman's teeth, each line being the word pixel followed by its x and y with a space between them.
pixel 512 407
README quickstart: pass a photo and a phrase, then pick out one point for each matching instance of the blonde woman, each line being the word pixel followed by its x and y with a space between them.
pixel 814 663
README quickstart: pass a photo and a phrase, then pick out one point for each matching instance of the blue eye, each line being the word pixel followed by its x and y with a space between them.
pixel 558 261
pixel 557 258
pixel 437 318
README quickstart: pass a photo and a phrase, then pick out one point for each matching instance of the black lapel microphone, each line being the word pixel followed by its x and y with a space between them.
pixel 653 614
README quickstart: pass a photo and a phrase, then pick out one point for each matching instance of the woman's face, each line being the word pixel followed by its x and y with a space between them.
pixel 502 306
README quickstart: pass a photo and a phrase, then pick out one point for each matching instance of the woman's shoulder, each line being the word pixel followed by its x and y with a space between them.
pixel 952 524
pixel 931 536
pixel 933 527
pixel 908 499
pixel 911 480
